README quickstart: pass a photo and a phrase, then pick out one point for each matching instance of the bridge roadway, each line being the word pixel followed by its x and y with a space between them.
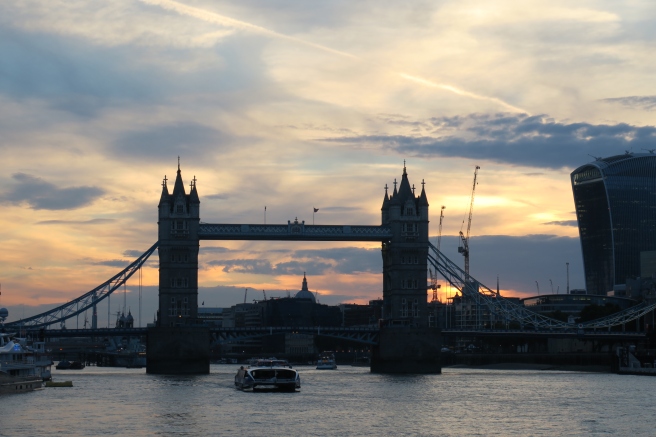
pixel 365 335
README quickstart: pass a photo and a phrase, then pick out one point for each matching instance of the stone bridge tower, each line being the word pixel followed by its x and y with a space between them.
pixel 405 255
pixel 178 222
pixel 406 344
pixel 177 345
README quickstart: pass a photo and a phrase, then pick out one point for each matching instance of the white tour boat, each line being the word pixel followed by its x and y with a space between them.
pixel 268 374
pixel 326 361
pixel 21 367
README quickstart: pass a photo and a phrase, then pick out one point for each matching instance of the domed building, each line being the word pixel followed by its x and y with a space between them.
pixel 304 293
pixel 300 310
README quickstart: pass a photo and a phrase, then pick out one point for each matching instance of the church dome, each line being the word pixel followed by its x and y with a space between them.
pixel 305 293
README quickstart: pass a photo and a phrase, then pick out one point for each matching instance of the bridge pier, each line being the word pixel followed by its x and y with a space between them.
pixel 179 350
pixel 407 350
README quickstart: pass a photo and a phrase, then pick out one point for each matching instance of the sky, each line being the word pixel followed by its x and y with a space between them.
pixel 302 105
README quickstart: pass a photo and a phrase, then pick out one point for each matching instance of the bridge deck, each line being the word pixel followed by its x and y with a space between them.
pixel 368 335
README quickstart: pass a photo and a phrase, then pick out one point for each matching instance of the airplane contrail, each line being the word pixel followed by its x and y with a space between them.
pixel 213 17
pixel 460 92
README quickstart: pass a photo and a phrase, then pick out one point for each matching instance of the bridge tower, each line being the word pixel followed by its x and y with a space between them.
pixel 405 255
pixel 178 221
pixel 406 343
pixel 178 344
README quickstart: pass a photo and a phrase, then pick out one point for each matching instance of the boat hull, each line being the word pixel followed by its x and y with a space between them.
pixel 9 384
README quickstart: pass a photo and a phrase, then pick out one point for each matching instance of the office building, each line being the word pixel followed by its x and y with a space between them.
pixel 615 202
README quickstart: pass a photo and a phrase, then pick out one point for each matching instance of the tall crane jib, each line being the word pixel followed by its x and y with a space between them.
pixel 464 239
pixel 439 229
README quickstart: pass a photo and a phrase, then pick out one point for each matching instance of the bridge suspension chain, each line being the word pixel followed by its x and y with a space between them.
pixel 84 302
pixel 508 310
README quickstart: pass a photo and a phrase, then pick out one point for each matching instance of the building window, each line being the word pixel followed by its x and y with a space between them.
pixel 179 209
pixel 409 228
pixel 404 308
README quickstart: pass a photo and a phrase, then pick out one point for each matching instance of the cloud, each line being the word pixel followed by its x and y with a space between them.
pixel 251 266
pixel 519 261
pixel 39 194
pixel 165 142
pixel 133 253
pixel 265 267
pixel 217 196
pixel 347 260
pixel 574 223
pixel 98 221
pixel 338 209
pixel 111 263
pixel 216 249
pixel 534 141
pixel 647 103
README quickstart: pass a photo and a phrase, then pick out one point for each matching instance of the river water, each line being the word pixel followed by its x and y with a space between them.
pixel 348 401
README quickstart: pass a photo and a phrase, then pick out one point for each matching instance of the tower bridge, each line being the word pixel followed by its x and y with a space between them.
pixel 403 234
pixel 406 254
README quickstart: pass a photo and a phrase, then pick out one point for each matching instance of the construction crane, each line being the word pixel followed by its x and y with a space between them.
pixel 264 293
pixel 439 229
pixel 245 294
pixel 464 239
pixel 434 285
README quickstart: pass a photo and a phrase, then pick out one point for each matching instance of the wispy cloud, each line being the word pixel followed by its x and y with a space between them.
pixel 39 194
pixel 647 103
pixel 98 221
pixel 222 20
pixel 574 223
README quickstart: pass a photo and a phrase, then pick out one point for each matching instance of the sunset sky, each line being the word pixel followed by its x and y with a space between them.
pixel 299 105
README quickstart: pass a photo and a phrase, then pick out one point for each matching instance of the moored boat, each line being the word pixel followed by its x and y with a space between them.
pixel 63 365
pixel 21 368
pixel 268 375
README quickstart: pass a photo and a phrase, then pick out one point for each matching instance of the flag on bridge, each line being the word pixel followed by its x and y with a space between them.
pixel 316 209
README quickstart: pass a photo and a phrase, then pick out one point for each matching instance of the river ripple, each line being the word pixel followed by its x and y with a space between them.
pixel 349 401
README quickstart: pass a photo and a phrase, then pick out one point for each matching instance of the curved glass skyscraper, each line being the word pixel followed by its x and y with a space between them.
pixel 615 202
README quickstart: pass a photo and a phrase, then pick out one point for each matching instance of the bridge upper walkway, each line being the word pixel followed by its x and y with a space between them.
pixel 294 231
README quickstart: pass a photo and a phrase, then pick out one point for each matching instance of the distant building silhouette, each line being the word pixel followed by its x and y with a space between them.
pixel 615 202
